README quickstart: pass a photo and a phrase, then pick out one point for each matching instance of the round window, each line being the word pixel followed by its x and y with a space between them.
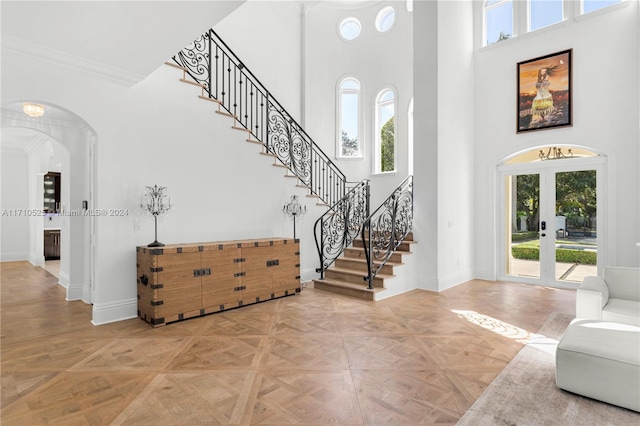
pixel 350 29
pixel 385 19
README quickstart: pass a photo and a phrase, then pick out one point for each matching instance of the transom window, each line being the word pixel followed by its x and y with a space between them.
pixel 593 5
pixel 550 153
pixel 503 19
pixel 348 138
pixel 498 20
pixel 543 13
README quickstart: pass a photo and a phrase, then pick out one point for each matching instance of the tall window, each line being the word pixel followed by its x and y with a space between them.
pixel 543 13
pixel 498 20
pixel 385 153
pixel 410 136
pixel 349 145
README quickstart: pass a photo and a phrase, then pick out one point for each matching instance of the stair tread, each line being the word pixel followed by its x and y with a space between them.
pixel 207 98
pixel 352 272
pixel 227 114
pixel 172 64
pixel 193 83
pixel 353 286
pixel 362 249
pixel 405 241
pixel 360 260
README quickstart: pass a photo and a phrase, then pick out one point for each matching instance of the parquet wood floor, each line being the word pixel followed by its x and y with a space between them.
pixel 314 358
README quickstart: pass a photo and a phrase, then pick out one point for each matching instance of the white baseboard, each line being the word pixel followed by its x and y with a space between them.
pixel 74 292
pixel 453 280
pixel 36 260
pixel 485 274
pixel 428 283
pixel 63 279
pixel 309 274
pixel 14 256
pixel 105 313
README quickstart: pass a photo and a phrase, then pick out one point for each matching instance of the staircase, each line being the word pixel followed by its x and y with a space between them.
pixel 348 265
pixel 347 274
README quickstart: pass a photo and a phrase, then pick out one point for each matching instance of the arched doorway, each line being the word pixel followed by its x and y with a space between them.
pixel 550 203
pixel 73 215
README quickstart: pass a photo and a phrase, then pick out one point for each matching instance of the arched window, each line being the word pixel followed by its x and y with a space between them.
pixel 498 20
pixel 543 13
pixel 348 138
pixel 385 19
pixel 385 135
pixel 409 5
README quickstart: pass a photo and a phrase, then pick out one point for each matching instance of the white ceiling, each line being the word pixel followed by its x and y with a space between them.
pixel 126 39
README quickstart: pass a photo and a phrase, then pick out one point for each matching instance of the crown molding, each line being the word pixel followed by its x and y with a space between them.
pixel 107 72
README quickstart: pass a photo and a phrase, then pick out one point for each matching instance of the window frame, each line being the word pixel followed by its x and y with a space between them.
pixel 380 17
pixel 564 15
pixel 521 20
pixel 497 4
pixel 339 93
pixel 377 129
pixel 342 22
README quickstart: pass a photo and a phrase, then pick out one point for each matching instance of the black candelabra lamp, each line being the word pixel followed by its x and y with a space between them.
pixel 293 209
pixel 156 201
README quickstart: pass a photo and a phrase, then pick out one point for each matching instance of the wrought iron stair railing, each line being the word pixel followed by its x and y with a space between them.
pixel 335 230
pixel 386 228
pixel 214 66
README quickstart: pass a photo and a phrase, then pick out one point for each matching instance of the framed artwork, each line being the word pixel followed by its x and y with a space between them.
pixel 544 92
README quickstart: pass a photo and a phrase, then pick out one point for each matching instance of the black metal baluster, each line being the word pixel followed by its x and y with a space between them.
pixel 217 72
pixel 210 65
pixel 267 110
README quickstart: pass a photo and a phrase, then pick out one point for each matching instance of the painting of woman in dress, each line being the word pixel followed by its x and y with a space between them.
pixel 544 92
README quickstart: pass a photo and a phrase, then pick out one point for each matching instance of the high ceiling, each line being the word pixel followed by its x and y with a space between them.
pixel 124 39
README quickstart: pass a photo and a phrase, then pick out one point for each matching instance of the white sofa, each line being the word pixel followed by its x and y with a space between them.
pixel 614 297
pixel 598 355
pixel 601 360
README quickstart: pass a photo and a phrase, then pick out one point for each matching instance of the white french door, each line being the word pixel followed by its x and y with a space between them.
pixel 549 212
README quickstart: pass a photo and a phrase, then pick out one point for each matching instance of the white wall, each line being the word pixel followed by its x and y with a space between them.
pixel 444 143
pixel 159 132
pixel 267 37
pixel 426 122
pixel 15 202
pixel 455 144
pixel 605 118
pixel 378 61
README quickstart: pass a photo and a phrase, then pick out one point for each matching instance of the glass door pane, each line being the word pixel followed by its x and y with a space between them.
pixel 575 225
pixel 523 218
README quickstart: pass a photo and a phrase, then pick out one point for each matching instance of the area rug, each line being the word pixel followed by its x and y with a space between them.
pixel 525 393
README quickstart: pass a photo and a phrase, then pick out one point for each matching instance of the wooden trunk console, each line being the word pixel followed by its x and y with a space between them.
pixel 180 281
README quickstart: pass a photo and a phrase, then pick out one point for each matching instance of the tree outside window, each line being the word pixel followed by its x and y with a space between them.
pixel 348 144
pixel 385 132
